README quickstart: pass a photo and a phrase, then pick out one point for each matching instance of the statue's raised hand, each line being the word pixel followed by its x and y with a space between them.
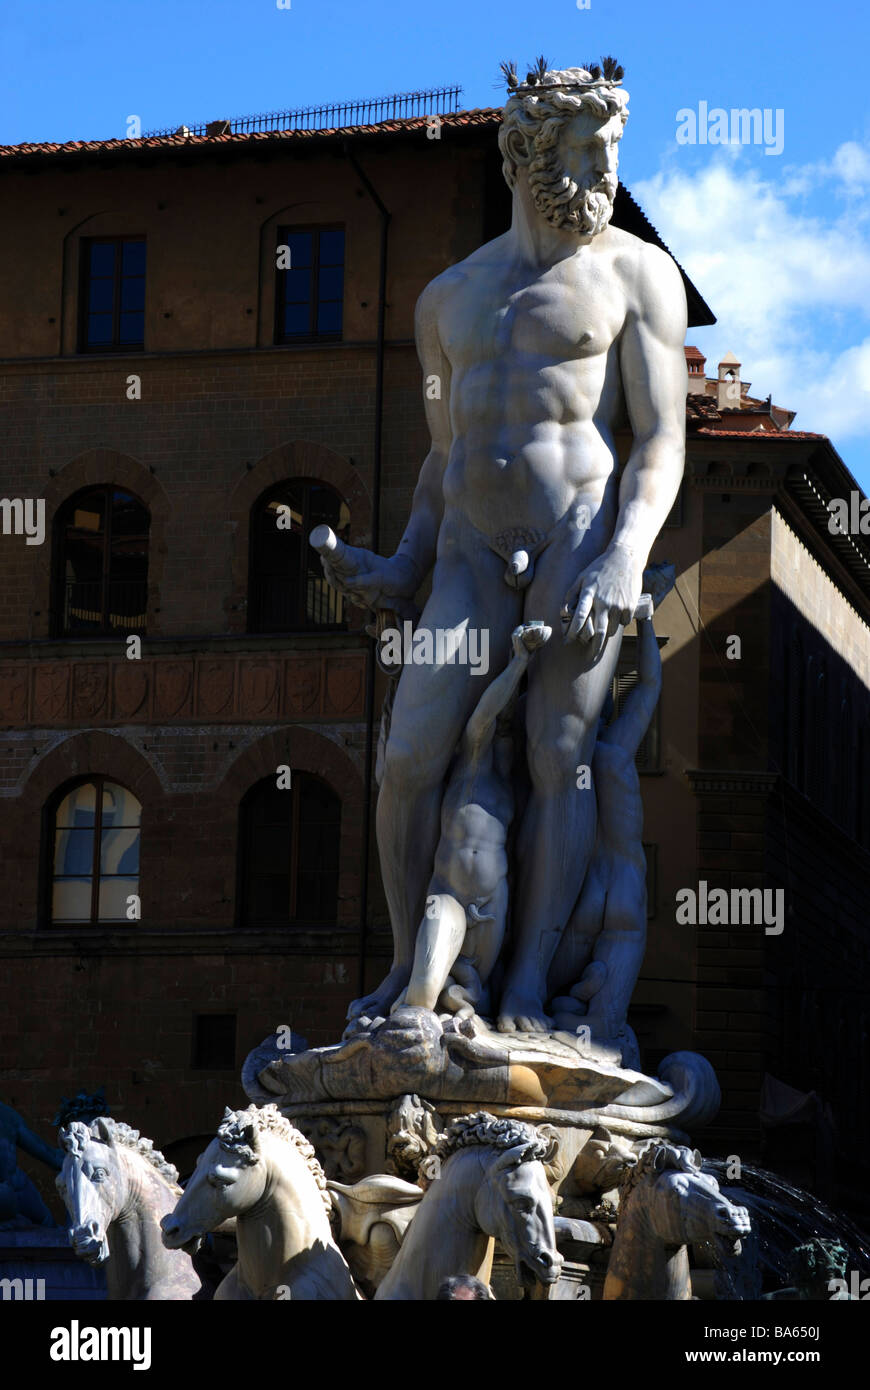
pixel 603 598
pixel 366 579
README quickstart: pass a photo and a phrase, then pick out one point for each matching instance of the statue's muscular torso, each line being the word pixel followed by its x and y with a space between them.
pixel 535 389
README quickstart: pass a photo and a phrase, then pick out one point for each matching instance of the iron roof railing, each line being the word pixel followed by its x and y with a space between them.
pixel 435 101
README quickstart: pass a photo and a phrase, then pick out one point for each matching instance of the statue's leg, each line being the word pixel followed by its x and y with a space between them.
pixel 621 946
pixel 431 708
pixel 439 941
pixel 557 834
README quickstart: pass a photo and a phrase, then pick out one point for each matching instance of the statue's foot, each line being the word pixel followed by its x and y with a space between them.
pixel 380 1001
pixel 522 1013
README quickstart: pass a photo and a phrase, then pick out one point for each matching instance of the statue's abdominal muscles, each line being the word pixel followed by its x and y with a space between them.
pixel 531 413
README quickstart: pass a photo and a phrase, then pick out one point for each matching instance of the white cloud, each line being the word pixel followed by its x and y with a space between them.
pixel 784 263
pixel 852 163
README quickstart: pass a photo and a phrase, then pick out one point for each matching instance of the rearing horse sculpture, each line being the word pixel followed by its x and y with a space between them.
pixel 116 1186
pixel 492 1184
pixel 263 1172
pixel 666 1203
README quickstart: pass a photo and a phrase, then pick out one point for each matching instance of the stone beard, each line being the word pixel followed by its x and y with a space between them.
pixel 583 208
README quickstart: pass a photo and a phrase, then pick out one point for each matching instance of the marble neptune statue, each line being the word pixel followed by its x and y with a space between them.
pixel 542 343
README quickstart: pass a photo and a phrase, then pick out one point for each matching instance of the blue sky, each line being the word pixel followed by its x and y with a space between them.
pixel 778 244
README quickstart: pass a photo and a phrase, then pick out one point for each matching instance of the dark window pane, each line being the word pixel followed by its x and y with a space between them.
pixel 102 258
pixel 132 294
pixel 99 329
pixel 214 1041
pixel 101 296
pixel 330 282
pixel 296 318
pixel 329 318
pixel 288 591
pixel 266 840
pixel 332 247
pixel 132 328
pixel 300 244
pixel 297 286
pixel 113 305
pixel 103 591
pixel 133 258
pixel 129 517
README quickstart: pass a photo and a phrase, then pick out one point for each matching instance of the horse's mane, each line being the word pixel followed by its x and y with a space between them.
pixel 656 1156
pixel 482 1128
pixel 232 1129
pixel 106 1130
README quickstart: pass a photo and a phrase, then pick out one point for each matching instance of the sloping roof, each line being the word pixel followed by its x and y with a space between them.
pixel 754 435
pixel 482 116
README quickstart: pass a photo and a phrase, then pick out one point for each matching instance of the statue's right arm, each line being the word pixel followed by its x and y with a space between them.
pixel 420 537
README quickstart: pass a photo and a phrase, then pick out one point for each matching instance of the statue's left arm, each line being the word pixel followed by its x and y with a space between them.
pixel 653 368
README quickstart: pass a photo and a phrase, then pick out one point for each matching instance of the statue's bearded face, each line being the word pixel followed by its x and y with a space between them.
pixel 574 184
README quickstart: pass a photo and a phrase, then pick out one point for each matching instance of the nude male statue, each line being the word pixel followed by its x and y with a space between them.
pixel 541 341
pixel 463 928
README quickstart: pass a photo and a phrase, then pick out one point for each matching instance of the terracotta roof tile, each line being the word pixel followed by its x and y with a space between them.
pixel 758 434
pixel 482 116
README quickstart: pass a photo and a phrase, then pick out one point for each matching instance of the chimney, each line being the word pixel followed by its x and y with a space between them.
pixel 695 362
pixel 728 384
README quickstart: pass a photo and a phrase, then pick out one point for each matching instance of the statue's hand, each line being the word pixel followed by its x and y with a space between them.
pixel 603 598
pixel 528 637
pixel 366 579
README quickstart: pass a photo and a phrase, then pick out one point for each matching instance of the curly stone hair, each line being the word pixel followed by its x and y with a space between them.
pixel 481 1128
pixel 656 1156
pixel 268 1118
pixel 105 1130
pixel 540 112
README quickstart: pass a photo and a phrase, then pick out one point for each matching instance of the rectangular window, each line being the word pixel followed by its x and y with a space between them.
pixel 309 292
pixel 112 294
pixel 214 1042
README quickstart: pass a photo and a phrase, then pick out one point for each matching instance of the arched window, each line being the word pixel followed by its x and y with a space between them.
pixel 101 564
pixel 93 828
pixel 288 853
pixel 287 591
